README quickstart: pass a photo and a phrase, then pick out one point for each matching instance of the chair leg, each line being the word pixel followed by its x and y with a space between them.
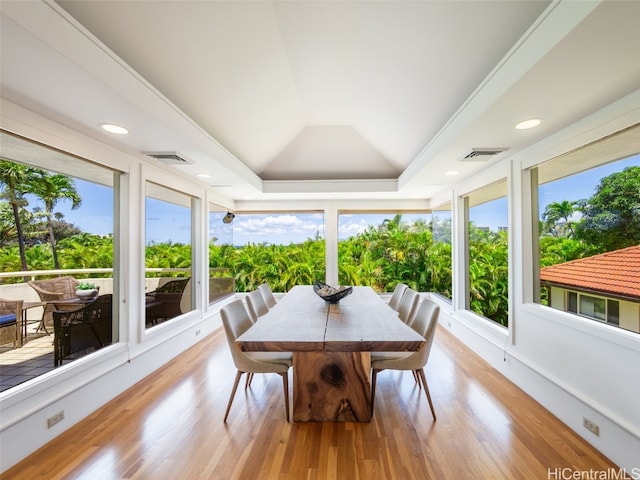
pixel 426 390
pixel 285 384
pixel 247 382
pixel 374 375
pixel 233 393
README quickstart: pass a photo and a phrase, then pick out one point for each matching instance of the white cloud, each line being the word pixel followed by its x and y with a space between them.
pixel 285 228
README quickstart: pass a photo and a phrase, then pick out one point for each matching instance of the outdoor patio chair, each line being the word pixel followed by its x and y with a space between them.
pixel 11 322
pixel 84 330
pixel 52 289
pixel 165 301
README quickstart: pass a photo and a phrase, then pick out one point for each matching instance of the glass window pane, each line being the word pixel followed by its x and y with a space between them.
pixel 592 307
pixel 221 279
pixel 589 221
pixel 168 254
pixel 57 214
pixel 281 249
pixel 488 252
pixel 572 302
pixel 441 260
pixel 613 312
pixel 384 249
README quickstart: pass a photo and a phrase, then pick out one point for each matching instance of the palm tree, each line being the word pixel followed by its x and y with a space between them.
pixel 557 217
pixel 14 177
pixel 52 188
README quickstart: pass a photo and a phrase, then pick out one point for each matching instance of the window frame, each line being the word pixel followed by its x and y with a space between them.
pixel 101 167
pixel 198 253
pixel 622 147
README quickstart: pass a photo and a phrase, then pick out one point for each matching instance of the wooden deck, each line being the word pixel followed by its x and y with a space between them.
pixel 169 426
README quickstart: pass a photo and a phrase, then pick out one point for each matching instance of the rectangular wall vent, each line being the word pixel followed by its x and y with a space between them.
pixel 169 158
pixel 482 154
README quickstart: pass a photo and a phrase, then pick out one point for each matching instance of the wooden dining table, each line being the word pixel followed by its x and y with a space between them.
pixel 331 345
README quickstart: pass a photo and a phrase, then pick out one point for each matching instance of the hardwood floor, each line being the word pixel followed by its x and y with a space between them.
pixel 169 426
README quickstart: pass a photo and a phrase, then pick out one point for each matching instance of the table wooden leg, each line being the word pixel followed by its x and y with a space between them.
pixel 331 386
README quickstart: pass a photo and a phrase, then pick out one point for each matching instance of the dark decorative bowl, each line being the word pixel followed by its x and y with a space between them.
pixel 329 293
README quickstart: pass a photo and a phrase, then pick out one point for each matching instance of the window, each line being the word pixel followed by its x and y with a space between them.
pixel 384 249
pixel 282 249
pixel 613 312
pixel 597 308
pixel 440 262
pixel 487 249
pixel 168 254
pixel 221 280
pixel 589 222
pixel 572 302
pixel 57 215
pixel 593 307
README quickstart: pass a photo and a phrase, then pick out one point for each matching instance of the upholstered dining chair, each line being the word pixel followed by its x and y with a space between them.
pixel 425 322
pixel 236 321
pixel 267 293
pixel 256 304
pixel 408 305
pixel 394 301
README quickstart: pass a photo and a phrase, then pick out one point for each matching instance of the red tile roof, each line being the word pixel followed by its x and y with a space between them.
pixel 616 273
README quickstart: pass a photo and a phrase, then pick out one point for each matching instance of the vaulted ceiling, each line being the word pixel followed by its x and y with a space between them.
pixel 303 99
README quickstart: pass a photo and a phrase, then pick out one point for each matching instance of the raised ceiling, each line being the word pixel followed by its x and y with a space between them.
pixel 300 99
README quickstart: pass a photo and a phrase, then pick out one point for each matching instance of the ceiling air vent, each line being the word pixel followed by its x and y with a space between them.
pixel 169 158
pixel 482 154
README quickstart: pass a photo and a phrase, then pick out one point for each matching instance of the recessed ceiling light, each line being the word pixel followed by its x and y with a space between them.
pixel 533 122
pixel 452 172
pixel 111 128
pixel 203 175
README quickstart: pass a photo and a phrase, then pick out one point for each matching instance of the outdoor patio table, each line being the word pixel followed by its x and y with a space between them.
pixel 331 346
pixel 25 307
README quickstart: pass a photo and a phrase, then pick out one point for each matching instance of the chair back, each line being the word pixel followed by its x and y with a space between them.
pixel 256 304
pixel 408 305
pixel 394 302
pixel 168 300
pixel 173 286
pixel 236 321
pixel 55 288
pixel 88 326
pixel 267 293
pixel 425 323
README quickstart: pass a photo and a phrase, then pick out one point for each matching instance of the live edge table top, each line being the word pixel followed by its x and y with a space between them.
pixel 301 321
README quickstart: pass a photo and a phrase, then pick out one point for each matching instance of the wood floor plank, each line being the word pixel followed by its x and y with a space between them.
pixel 170 426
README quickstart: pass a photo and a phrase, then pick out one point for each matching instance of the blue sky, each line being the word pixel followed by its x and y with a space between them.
pixel 168 222
pixel 576 187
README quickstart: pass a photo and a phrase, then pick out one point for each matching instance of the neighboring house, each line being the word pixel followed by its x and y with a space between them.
pixel 603 287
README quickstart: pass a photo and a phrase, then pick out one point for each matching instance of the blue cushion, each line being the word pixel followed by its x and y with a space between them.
pixel 7 319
